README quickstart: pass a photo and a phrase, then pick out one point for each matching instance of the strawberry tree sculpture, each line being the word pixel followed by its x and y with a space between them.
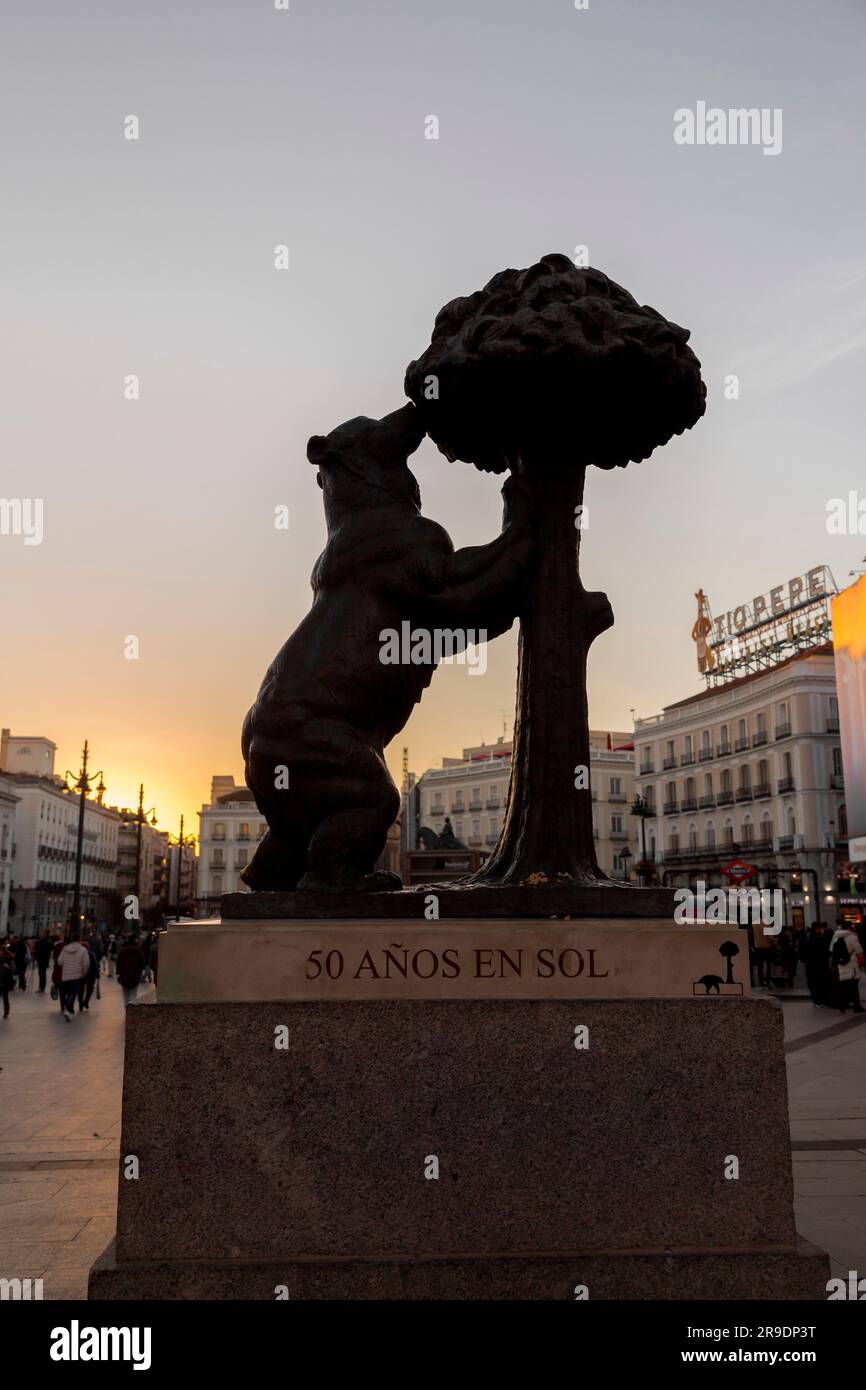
pixel 544 372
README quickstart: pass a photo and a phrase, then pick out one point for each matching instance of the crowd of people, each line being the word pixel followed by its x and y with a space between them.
pixel 833 960
pixel 75 963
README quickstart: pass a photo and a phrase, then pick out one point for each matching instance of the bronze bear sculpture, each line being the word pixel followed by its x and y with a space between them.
pixel 314 740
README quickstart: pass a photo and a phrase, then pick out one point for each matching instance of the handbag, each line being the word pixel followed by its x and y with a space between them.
pixel 55 992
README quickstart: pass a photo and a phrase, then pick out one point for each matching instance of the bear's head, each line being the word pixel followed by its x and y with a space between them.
pixel 362 464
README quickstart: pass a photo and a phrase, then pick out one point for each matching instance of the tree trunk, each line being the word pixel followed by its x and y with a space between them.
pixel 547 834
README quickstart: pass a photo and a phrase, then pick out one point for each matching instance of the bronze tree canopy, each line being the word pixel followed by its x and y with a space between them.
pixel 543 372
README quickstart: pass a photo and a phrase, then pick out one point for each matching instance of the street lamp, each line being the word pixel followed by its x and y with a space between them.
pixel 625 856
pixel 642 808
pixel 181 842
pixel 81 784
pixel 140 817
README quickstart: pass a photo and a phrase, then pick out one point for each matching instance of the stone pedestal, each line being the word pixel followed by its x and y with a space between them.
pixel 320 1146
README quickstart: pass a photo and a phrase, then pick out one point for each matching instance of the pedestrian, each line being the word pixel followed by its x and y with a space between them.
pixel 146 947
pixel 91 981
pixel 154 957
pixel 43 952
pixel 112 955
pixel 846 960
pixel 815 954
pixel 56 976
pixel 7 974
pixel 74 964
pixel 21 951
pixel 130 964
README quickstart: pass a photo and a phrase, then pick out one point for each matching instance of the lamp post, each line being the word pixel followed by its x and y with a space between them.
pixel 181 843
pixel 81 784
pixel 642 808
pixel 625 856
pixel 140 817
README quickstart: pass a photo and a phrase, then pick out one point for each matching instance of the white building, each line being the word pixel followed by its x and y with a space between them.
pixel 472 790
pixel 46 839
pixel 753 770
pixel 8 803
pixel 230 827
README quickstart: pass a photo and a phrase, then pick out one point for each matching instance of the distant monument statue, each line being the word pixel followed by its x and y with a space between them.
pixel 446 839
pixel 543 372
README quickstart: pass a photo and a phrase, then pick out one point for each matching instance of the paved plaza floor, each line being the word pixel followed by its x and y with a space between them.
pixel 60 1129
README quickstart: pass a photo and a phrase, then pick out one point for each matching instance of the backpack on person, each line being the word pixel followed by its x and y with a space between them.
pixel 839 952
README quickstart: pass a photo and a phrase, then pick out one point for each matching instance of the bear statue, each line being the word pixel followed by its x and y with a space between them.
pixel 314 740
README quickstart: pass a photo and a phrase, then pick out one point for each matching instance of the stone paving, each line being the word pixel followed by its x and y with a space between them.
pixel 60 1126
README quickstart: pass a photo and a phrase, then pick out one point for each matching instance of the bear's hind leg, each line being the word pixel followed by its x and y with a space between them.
pixel 344 848
pixel 275 866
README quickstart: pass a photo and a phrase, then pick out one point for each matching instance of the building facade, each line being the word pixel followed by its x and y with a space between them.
pixel 752 770
pixel 44 856
pixel 230 827
pixel 146 872
pixel 473 790
pixel 8 803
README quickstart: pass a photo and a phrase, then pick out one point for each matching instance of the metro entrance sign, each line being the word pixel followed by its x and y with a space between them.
pixel 737 870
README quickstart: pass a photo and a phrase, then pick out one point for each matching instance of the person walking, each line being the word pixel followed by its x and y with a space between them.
pixel 43 953
pixel 92 980
pixel 21 951
pixel 7 974
pixel 815 955
pixel 74 965
pixel 130 964
pixel 845 959
pixel 112 955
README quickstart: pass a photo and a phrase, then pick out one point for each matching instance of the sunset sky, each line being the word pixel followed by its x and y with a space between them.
pixel 260 127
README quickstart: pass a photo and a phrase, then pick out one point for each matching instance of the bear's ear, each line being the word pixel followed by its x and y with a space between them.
pixel 317 448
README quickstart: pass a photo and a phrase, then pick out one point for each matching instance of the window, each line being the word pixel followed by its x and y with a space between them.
pixel 693 838
pixel 219 831
pixel 711 836
pixel 494 825
pixel 616 825
pixel 437 801
pixel 476 830
pixel 748 832
pixel 837 762
pixel 705 741
pixel 459 831
pixel 242 859
pixel 616 786
pixel 244 831
pixel 767 831
pixel 217 883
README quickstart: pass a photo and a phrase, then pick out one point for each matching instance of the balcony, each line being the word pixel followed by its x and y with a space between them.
pixel 708 802
pixel 474 806
pixel 616 796
pixel 687 760
pixel 783 731
pixel 759 739
pixel 493 804
pixel 458 808
pixel 833 724
pixel 668 763
pixel 619 834
pixel 491 839
pixel 724 750
pixel 705 754
pixel 762 791
pixel 243 835
pixel 742 745
pixel 837 781
pixel 725 798
pixel 689 804
pixel 671 808
pixel 647 769
pixel 786 842
pixel 744 794
pixel 437 810
pixel 786 784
